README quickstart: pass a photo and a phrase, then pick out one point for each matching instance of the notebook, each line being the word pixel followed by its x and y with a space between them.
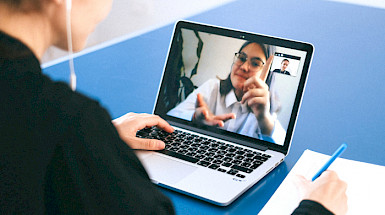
pixel 234 113
pixel 365 185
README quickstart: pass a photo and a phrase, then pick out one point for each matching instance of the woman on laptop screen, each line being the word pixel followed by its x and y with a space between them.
pixel 242 103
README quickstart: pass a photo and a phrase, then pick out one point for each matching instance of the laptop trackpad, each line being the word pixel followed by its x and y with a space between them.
pixel 162 169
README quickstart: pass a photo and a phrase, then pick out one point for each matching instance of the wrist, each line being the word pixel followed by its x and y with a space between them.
pixel 266 124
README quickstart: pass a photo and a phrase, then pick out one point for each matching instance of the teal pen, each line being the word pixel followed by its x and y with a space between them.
pixel 336 154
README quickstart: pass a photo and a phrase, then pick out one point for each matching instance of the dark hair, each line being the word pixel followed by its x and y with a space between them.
pixel 23 5
pixel 285 60
pixel 226 85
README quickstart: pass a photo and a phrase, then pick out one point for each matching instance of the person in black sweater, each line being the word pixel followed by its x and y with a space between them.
pixel 60 151
pixel 284 65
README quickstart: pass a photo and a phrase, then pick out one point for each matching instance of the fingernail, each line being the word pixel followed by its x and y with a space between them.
pixel 161 145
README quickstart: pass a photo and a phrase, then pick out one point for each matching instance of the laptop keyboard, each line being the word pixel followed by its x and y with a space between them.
pixel 213 154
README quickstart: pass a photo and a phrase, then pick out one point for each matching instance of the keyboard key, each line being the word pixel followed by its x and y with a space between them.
pixel 213 166
pixel 174 149
pixel 213 149
pixel 203 163
pixel 209 159
pixel 180 156
pixel 214 145
pixel 199 156
pixel 254 166
pixel 182 151
pixel 249 155
pixel 236 162
pixel 221 152
pixel 240 175
pixel 197 140
pixel 240 152
pixel 217 156
pixel 189 137
pixel 201 151
pixel 221 170
pixel 193 149
pixel 232 150
pixel 195 145
pixel 184 146
pixel 266 156
pixel 248 160
pixel 263 159
pixel 230 155
pixel 243 169
pixel 217 161
pixel 226 164
pixel 191 154
pixel 227 159
pixel 232 172
pixel 168 141
pixel 239 157
pixel 245 164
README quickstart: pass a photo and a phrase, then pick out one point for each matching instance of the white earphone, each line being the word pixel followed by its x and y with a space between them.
pixel 69 42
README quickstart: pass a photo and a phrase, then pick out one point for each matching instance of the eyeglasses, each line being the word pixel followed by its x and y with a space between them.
pixel 255 63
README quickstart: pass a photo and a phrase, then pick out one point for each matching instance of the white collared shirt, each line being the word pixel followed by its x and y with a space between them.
pixel 245 122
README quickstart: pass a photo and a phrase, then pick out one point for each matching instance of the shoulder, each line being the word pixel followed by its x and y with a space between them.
pixel 208 88
pixel 210 84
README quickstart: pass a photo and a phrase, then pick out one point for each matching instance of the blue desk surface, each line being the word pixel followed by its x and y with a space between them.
pixel 344 100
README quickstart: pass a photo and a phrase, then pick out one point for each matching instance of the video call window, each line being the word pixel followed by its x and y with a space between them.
pixel 285 64
pixel 204 70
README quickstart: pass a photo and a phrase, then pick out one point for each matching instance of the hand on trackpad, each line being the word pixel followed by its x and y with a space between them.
pixel 165 170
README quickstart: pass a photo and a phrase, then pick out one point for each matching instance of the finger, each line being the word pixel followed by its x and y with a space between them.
pixel 165 126
pixel 253 93
pixel 265 70
pixel 200 101
pixel 253 83
pixel 215 122
pixel 301 183
pixel 146 144
pixel 225 117
pixel 201 114
pixel 150 120
pixel 328 175
pixel 256 101
pixel 122 118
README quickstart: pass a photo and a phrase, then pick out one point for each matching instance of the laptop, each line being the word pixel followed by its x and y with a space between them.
pixel 222 146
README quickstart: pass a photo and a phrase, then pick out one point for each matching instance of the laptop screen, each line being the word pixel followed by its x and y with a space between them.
pixel 234 84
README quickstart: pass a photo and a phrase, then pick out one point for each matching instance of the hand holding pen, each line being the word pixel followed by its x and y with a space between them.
pixel 326 187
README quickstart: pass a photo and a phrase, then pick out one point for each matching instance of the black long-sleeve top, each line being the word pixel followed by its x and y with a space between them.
pixel 60 153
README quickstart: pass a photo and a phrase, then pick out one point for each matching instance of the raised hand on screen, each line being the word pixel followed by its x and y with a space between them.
pixel 205 116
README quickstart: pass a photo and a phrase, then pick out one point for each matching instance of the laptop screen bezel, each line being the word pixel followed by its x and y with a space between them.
pixel 223 134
